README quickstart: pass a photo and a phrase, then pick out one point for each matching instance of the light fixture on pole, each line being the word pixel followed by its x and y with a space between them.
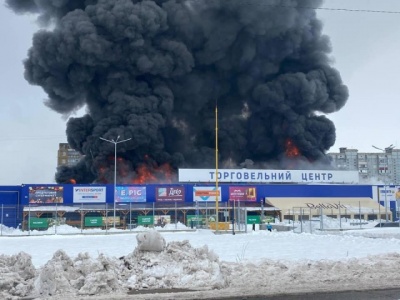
pixel 117 141
pixel 386 177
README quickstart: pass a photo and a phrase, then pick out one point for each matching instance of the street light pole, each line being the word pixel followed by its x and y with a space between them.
pixel 386 177
pixel 117 141
pixel 216 169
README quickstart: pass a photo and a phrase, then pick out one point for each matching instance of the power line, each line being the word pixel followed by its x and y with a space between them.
pixel 354 10
pixel 336 9
pixel 31 138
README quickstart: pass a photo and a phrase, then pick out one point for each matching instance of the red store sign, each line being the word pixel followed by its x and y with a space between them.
pixel 170 194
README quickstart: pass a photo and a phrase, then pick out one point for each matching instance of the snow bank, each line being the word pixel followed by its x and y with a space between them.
pixel 17 274
pixel 67 229
pixel 177 265
pixel 277 277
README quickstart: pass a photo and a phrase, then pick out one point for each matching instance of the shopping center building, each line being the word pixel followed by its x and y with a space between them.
pixel 272 194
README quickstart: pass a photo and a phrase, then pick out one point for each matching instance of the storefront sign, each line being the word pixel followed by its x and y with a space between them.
pixel 35 223
pixel 130 194
pixel 253 219
pixel 89 194
pixel 267 176
pixel 93 221
pixel 145 220
pixel 170 194
pixel 206 193
pixel 46 194
pixel 242 193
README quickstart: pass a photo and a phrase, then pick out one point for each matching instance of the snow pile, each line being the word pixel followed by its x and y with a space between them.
pixel 176 265
pixel 83 275
pixel 172 226
pixel 16 275
pixel 329 224
pixel 150 241
pixel 166 227
pixel 4 230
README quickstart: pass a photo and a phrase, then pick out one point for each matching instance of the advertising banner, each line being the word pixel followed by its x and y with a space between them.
pixel 38 223
pixel 206 193
pixel 242 193
pixel 93 221
pixel 110 221
pixel 145 220
pixel 389 196
pixel 130 194
pixel 171 193
pixel 46 194
pixel 193 220
pixel 253 220
pixel 162 220
pixel 389 193
pixel 190 218
pixel 89 194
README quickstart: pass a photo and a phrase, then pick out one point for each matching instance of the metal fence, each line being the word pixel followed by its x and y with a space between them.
pixel 121 217
pixel 304 219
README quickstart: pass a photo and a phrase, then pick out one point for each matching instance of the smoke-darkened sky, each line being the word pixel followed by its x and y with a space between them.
pixel 156 81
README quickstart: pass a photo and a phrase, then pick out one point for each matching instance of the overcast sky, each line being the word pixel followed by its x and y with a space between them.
pixel 365 51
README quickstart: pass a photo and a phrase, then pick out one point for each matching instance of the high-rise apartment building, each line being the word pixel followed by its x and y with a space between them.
pixel 371 166
pixel 67 156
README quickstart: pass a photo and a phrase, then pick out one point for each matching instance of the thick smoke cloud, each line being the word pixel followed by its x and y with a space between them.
pixel 153 71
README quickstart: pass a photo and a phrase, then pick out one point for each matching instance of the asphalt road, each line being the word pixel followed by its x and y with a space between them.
pixel 388 294
pixel 383 294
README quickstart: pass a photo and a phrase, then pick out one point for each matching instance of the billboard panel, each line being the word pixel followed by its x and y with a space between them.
pixel 389 196
pixel 242 193
pixel 206 193
pixel 46 194
pixel 130 194
pixel 388 193
pixel 89 194
pixel 171 193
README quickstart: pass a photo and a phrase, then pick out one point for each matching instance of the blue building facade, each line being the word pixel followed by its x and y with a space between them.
pixel 14 198
pixel 21 193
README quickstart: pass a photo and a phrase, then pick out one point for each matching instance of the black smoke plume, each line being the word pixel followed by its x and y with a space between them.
pixel 153 71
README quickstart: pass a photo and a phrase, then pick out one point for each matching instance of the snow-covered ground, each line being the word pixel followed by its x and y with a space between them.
pixel 79 266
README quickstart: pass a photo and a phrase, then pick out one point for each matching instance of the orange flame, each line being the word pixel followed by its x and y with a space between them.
pixel 147 174
pixel 291 149
pixel 144 175
pixel 167 171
